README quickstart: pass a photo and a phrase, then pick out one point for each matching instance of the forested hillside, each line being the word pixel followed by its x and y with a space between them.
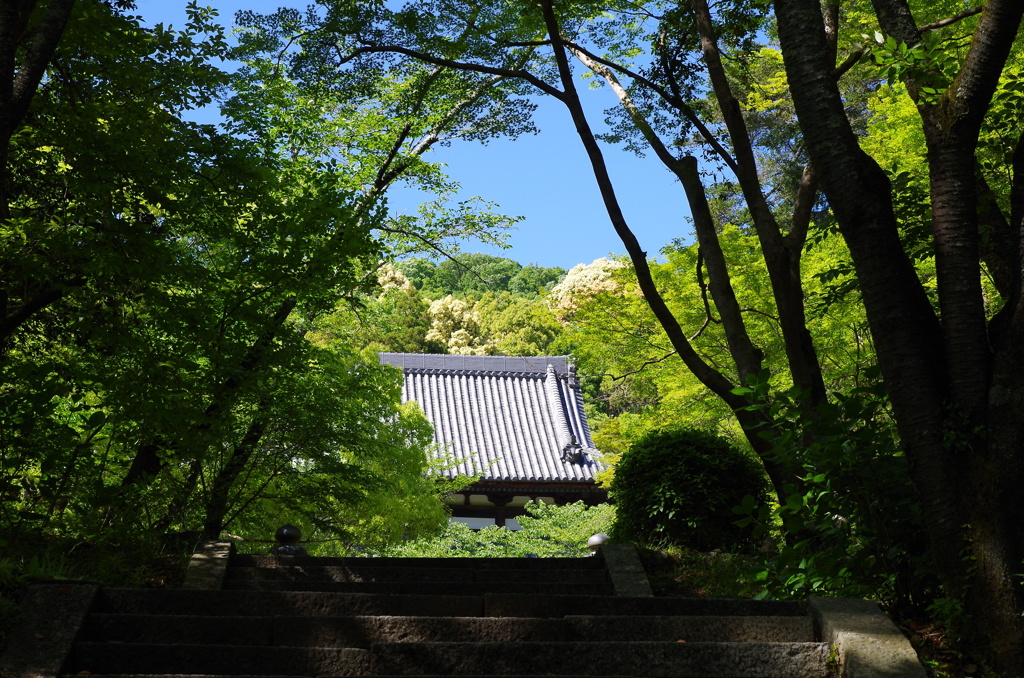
pixel 190 313
pixel 471 304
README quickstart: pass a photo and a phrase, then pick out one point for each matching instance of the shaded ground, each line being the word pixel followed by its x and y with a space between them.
pixel 30 558
pixel 725 575
pixel 938 651
pixel 698 575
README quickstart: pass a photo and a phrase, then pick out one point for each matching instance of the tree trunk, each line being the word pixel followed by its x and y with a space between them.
pixel 781 255
pixel 18 81
pixel 905 330
pixel 217 504
pixel 937 376
pixel 753 422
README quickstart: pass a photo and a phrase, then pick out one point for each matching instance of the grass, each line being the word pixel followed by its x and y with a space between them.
pixel 695 574
pixel 29 558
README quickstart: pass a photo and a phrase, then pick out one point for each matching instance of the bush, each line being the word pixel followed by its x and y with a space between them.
pixel 548 532
pixel 853 527
pixel 679 486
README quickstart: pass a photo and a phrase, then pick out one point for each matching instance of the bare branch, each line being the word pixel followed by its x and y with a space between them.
pixel 696 335
pixel 457 65
pixel 749 309
pixel 386 174
pixel 703 291
pixel 646 363
pixel 850 61
pixel 435 134
pixel 436 248
pixel 806 194
pixel 671 99
pixel 951 20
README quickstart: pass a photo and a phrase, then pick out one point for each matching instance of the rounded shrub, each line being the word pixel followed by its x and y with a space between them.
pixel 679 486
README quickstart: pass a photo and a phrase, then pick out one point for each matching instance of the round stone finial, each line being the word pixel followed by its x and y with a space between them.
pixel 288 534
pixel 595 542
pixel 288 537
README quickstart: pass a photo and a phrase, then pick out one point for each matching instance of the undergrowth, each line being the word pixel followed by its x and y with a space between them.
pixel 686 573
pixel 29 558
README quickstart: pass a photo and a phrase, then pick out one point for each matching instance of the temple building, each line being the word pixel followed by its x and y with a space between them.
pixel 517 422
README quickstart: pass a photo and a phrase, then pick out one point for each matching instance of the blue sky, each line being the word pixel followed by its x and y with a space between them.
pixel 545 178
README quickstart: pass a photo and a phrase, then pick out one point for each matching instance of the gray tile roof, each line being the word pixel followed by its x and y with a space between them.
pixel 507 418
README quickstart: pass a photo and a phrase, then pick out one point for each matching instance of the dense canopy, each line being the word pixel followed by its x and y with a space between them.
pixel 188 312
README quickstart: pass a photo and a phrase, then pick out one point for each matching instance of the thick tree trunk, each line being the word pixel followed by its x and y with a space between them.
pixel 997 477
pixel 939 379
pixel 958 274
pixel 906 332
pixel 995 498
pixel 983 437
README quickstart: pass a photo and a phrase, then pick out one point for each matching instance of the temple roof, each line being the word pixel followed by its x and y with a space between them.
pixel 507 418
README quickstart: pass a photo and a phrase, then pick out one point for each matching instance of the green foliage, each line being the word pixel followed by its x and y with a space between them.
pixel 397 320
pixel 401 319
pixel 343 458
pixel 532 280
pixel 159 372
pixel 678 486
pixel 517 325
pixel 548 531
pixel 844 531
pixel 930 63
pixel 472 274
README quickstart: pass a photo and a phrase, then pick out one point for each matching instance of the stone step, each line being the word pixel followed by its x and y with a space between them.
pixel 216 660
pixel 447 588
pixel 315 631
pixel 649 658
pixel 362 631
pixel 205 632
pixel 540 564
pixel 705 629
pixel 286 603
pixel 506 605
pixel 333 573
pixel 310 603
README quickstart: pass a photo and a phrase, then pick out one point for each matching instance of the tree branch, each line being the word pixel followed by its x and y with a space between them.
pixel 48 296
pixel 457 65
pixel 806 195
pixel 709 376
pixel 37 56
pixel 783 263
pixel 645 364
pixel 951 20
pixel 671 99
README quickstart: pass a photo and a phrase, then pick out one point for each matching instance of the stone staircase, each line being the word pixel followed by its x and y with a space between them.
pixel 299 616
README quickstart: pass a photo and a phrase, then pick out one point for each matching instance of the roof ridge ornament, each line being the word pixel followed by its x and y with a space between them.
pixel 572 452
